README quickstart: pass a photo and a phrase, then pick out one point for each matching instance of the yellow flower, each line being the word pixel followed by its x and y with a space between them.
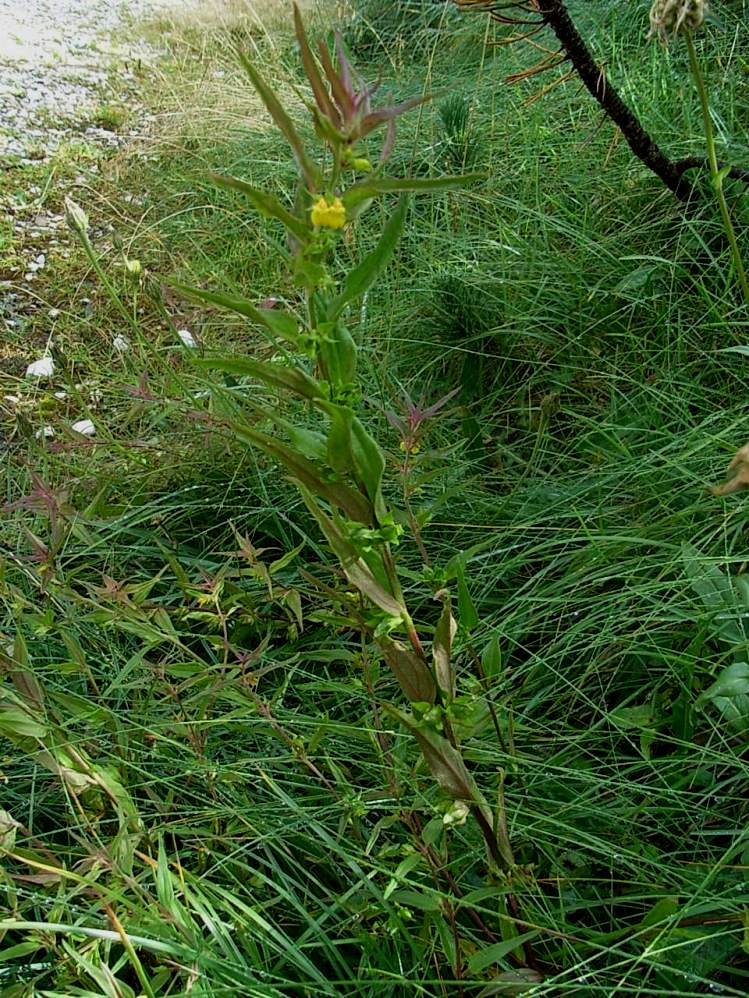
pixel 330 216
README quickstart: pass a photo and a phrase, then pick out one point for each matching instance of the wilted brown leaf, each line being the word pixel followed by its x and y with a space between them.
pixel 738 474
pixel 412 672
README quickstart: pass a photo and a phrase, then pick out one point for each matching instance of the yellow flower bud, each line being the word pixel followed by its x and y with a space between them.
pixel 328 215
pixel 361 164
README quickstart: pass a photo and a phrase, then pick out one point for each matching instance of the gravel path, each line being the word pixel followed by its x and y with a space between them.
pixel 58 63
pixel 67 69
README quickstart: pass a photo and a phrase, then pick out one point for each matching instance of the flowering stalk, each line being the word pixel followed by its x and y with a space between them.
pixel 77 220
pixel 340 471
pixel 717 174
pixel 669 19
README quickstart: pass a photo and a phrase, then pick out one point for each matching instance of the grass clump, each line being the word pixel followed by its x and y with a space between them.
pixel 205 792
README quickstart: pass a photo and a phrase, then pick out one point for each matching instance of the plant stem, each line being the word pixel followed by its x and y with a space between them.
pixel 109 287
pixel 715 172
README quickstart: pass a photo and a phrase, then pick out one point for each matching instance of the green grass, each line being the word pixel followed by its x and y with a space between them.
pixel 268 831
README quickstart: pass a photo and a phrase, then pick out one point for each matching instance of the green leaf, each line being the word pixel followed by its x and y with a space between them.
pixel 266 204
pixel 744 350
pixel 337 353
pixel 633 718
pixel 356 570
pixel 512 983
pixel 273 375
pixel 286 559
pixel 276 110
pixel 420 900
pixel 374 186
pixel 733 681
pixel 309 443
pixel 716 591
pixel 489 955
pixel 730 695
pixel 467 614
pixel 16 722
pixel 491 658
pixel 370 465
pixel 277 322
pixel 339 453
pixel 356 445
pixel 20 949
pixel 309 474
pixel 662 911
pixel 366 273
pixel 721 175
pixel 313 74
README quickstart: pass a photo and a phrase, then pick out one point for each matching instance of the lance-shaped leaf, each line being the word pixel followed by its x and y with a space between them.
pixel 322 98
pixel 370 465
pixel 337 353
pixel 309 474
pixel 277 322
pixel 266 204
pixel 366 273
pixel 339 454
pixel 374 186
pixel 273 375
pixel 310 171
pixel 309 443
pixel 355 568
pixel 442 651
pixel 352 448
pixel 412 672
pixel 388 144
pixel 342 96
pixel 385 114
pixel 18 723
pixel 444 760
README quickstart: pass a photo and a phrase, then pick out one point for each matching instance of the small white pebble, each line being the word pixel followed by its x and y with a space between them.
pixel 13 399
pixel 85 427
pixel 54 313
pixel 61 395
pixel 121 343
pixel 187 338
pixel 45 433
pixel 43 368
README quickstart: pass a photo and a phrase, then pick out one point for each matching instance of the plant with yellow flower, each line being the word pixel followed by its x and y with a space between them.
pixel 335 460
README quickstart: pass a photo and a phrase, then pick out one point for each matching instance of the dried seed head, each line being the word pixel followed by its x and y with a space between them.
pixel 673 17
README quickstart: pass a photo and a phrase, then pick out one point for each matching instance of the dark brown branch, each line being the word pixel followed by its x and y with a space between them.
pixel 554 14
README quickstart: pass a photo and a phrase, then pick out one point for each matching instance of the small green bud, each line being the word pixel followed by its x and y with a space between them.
pixel 457 814
pixel 75 216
